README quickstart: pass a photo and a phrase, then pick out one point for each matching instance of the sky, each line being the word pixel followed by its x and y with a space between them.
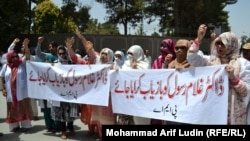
pixel 239 16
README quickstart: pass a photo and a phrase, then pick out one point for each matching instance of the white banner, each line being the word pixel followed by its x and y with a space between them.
pixel 87 84
pixel 196 95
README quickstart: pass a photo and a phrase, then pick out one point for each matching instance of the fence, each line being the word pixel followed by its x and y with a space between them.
pixel 114 42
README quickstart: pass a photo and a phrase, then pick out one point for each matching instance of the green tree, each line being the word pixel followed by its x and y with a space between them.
pixel 83 17
pixel 124 12
pixel 50 20
pixel 155 34
pixel 182 18
pixel 68 11
pixel 46 18
pixel 94 27
pixel 67 2
pixel 140 31
pixel 109 29
pixel 199 11
pixel 75 10
pixel 176 17
pixel 162 11
pixel 65 26
pixel 245 39
pixel 13 20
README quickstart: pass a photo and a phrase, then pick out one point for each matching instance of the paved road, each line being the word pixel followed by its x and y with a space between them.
pixel 38 132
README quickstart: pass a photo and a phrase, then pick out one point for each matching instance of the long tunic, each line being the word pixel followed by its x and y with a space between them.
pixel 23 110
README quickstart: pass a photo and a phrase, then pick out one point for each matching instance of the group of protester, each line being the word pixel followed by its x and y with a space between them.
pixel 59 116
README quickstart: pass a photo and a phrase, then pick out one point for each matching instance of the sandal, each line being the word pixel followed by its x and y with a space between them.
pixel 63 135
pixel 15 129
pixel 24 129
pixel 48 130
pixel 72 132
pixel 90 134
pixel 98 139
pixel 53 130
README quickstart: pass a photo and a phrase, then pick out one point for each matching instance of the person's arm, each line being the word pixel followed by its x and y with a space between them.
pixel 2 88
pixel 26 48
pixel 194 57
pixel 212 35
pixel 13 44
pixel 41 55
pixel 241 83
pixel 1 84
pixel 2 80
pixel 88 46
pixel 81 37
pixel 195 44
pixel 69 44
pixel 168 59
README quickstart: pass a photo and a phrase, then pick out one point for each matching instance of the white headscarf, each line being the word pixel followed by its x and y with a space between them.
pixel 138 56
pixel 62 60
pixel 4 59
pixel 110 55
pixel 119 62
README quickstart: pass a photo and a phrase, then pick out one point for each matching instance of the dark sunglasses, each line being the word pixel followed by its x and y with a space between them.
pixel 180 47
pixel 219 43
pixel 165 45
pixel 63 53
pixel 118 55
pixel 130 53
pixel 15 56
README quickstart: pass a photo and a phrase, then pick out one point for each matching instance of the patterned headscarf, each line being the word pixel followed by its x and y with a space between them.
pixel 231 43
pixel 62 60
pixel 10 62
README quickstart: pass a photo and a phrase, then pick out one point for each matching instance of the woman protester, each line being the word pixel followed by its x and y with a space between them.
pixel 119 59
pixel 135 60
pixel 103 115
pixel 64 113
pixel 225 50
pixel 167 55
pixel 13 84
pixel 181 50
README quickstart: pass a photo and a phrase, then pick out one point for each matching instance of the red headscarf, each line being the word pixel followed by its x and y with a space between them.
pixel 167 47
pixel 11 63
pixel 14 68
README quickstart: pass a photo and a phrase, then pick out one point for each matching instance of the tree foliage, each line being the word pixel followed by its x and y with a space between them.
pixel 83 17
pixel 245 39
pixel 50 19
pixel 46 18
pixel 176 17
pixel 97 28
pixel 162 11
pixel 13 20
pixel 124 12
pixel 181 18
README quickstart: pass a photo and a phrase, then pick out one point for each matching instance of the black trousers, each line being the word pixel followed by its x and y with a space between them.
pixel 66 125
